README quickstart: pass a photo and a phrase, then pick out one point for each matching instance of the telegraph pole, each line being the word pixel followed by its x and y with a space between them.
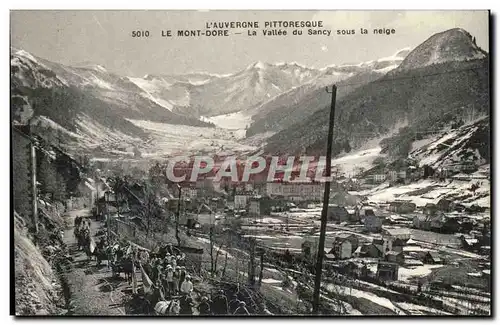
pixel 33 186
pixel 326 199
pixel 177 217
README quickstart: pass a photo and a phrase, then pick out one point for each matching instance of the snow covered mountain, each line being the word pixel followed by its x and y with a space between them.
pixel 88 105
pixel 423 95
pixel 199 94
pixel 300 102
pixel 465 144
pixel 451 45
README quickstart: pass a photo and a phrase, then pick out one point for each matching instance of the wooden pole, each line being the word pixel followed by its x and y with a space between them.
pixel 33 185
pixel 326 198
pixel 177 217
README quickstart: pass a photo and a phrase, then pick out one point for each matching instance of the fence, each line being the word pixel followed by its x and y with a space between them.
pixel 123 229
pixel 129 231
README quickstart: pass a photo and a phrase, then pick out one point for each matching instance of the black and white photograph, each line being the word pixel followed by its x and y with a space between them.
pixel 242 163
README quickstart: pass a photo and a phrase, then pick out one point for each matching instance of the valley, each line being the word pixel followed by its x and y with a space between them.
pixel 408 218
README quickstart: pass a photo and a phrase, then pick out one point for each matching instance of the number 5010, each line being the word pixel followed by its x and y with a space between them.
pixel 140 33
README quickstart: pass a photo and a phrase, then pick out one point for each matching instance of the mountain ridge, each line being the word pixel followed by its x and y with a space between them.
pixel 424 95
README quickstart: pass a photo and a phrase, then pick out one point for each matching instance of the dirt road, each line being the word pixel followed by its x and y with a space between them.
pixel 93 290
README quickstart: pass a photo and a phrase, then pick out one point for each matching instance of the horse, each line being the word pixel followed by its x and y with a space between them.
pixel 124 265
pixel 101 253
pixel 167 307
pixel 87 243
pixel 78 221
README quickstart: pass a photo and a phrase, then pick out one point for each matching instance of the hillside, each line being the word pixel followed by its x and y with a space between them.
pixel 299 103
pixel 83 105
pixel 209 95
pixel 425 98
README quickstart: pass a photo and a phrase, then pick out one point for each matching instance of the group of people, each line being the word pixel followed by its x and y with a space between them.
pixel 204 306
pixel 170 280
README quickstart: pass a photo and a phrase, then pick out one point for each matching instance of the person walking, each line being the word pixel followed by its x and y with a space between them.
pixel 177 276
pixel 186 307
pixel 170 280
pixel 204 306
pixel 219 304
pixel 182 276
pixel 187 286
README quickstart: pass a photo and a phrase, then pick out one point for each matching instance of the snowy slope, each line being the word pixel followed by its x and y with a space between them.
pixel 300 102
pixel 451 45
pixel 86 104
pixel 431 191
pixel 466 143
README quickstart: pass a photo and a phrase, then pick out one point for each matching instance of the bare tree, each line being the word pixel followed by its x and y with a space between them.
pixel 150 208
pixel 214 258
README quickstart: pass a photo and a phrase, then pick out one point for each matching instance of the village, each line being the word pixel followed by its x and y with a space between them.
pixel 439 246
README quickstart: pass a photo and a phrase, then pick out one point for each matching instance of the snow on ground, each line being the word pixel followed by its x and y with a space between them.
pixel 231 121
pixel 217 248
pixel 271 220
pixel 418 308
pixel 93 133
pixel 418 272
pixel 384 302
pixel 100 82
pixel 46 122
pixel 460 252
pixel 435 191
pixel 154 90
pixel 272 270
pixel 272 281
pixel 353 161
pixel 171 138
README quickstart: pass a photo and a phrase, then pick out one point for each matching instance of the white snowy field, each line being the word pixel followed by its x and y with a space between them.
pixel 417 272
pixel 231 121
pixel 171 139
pixel 430 191
pixel 354 161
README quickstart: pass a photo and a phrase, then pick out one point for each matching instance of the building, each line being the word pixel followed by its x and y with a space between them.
pixel 353 239
pixel 402 234
pixel 422 222
pixel 337 213
pixel 296 191
pixel 189 192
pixel 387 271
pixel 432 258
pixel 430 209
pixel 392 175
pixel 370 250
pixel 373 223
pixel 444 205
pixel 470 244
pixel 379 178
pixel 241 199
pixel 342 248
pixel 443 224
pixel 384 245
pixel 395 257
pixel 22 183
pixel 402 207
pixel 399 244
pixel 260 206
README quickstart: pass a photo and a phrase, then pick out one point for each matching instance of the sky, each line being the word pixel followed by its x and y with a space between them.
pixel 105 38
